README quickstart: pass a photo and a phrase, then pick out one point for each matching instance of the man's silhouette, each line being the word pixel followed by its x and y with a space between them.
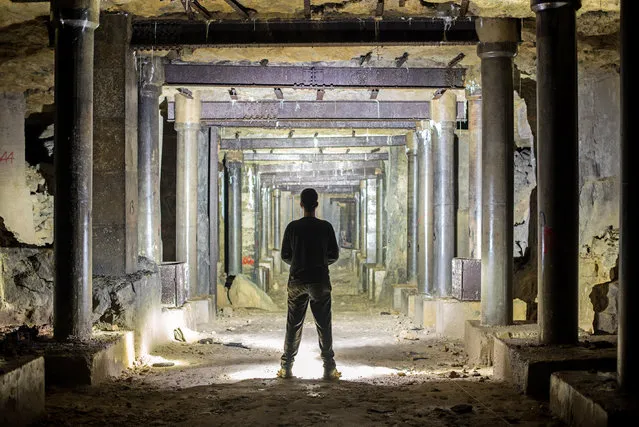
pixel 309 247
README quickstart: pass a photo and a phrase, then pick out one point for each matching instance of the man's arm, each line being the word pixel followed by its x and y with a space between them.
pixel 287 251
pixel 333 249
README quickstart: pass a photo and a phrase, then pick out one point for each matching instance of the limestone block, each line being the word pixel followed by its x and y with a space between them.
pixel 245 293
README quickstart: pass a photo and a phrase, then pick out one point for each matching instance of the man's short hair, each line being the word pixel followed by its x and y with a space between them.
pixel 309 199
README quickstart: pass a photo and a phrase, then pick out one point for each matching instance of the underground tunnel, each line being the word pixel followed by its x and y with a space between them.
pixel 472 157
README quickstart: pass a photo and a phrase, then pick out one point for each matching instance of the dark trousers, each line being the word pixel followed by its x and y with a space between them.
pixel 299 296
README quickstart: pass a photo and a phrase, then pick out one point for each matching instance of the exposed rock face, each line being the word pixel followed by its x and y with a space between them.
pixel 118 300
pixel 604 300
pixel 26 286
pixel 525 181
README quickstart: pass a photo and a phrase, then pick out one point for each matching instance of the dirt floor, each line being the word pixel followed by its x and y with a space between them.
pixel 393 374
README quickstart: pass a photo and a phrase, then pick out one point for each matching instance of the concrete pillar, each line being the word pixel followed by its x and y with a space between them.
pixel 269 212
pixel 257 220
pixel 425 249
pixel 413 201
pixel 115 149
pixel 474 174
pixel 203 226
pixel 497 47
pixel 233 237
pixel 73 166
pixel 277 199
pixel 557 170
pixel 214 198
pixel 444 214
pixel 265 219
pixel 151 78
pixel 379 227
pixel 628 332
pixel 362 217
pixel 187 125
pixel 371 219
pixel 355 232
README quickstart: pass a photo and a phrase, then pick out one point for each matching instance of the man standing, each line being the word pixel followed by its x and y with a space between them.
pixel 309 247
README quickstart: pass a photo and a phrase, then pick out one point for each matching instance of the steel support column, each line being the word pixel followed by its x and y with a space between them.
pixel 474 174
pixel 444 190
pixel 413 187
pixel 425 248
pixel 75 22
pixel 379 230
pixel 233 228
pixel 497 48
pixel 149 90
pixel 557 170
pixel 628 333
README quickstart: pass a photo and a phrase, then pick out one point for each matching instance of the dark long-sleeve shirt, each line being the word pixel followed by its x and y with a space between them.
pixel 309 247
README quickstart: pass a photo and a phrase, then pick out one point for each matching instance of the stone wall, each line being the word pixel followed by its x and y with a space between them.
pixel 599 190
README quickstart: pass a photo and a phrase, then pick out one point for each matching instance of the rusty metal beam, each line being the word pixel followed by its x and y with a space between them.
pixel 339 141
pixel 313 124
pixel 337 167
pixel 327 189
pixel 164 33
pixel 312 76
pixel 311 110
pixel 309 157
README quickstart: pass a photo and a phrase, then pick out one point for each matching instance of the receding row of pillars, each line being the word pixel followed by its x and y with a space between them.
pixel 557 155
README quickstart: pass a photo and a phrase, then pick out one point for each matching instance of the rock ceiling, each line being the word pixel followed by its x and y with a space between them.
pixel 26 59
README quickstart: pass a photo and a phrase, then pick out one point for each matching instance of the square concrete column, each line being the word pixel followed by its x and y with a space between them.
pixel 115 149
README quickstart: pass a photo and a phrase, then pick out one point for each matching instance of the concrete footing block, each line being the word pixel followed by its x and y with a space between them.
pixel 408 303
pixel 90 363
pixel 199 311
pixel 277 262
pixel 591 399
pixel 529 365
pixel 479 339
pixel 397 295
pixel 379 274
pixel 451 316
pixel 21 391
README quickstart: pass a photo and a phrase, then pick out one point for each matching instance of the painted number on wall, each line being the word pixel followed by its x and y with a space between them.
pixel 6 157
